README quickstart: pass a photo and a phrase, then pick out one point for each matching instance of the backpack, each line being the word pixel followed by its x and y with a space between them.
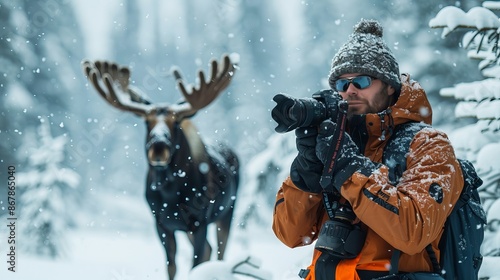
pixel 464 228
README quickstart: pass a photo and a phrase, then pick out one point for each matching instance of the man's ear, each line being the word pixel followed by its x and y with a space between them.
pixel 392 94
pixel 390 90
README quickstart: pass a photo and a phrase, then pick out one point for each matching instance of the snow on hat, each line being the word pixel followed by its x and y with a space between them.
pixel 365 52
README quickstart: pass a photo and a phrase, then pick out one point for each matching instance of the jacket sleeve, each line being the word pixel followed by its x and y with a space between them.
pixel 410 215
pixel 297 215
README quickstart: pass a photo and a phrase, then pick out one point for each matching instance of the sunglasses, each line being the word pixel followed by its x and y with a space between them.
pixel 361 82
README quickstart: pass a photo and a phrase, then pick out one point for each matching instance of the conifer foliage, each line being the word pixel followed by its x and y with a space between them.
pixel 479 101
pixel 46 187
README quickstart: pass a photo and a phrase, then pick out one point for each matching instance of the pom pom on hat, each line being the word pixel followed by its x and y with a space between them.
pixel 369 27
pixel 365 52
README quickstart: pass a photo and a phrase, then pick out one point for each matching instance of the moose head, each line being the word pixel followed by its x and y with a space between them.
pixel 189 184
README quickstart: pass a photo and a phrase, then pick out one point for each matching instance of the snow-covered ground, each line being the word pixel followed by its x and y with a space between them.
pixel 117 256
pixel 100 252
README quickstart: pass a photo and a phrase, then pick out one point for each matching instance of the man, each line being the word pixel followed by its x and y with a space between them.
pixel 393 215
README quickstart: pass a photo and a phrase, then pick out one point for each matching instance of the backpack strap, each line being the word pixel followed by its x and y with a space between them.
pixel 472 182
pixel 395 262
pixel 432 255
pixel 397 148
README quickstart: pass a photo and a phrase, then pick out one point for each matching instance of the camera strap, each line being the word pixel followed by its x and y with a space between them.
pixel 331 203
pixel 333 151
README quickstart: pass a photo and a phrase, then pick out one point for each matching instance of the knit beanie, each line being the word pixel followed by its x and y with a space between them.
pixel 365 52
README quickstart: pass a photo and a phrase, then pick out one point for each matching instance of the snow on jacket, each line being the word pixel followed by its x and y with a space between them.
pixel 402 216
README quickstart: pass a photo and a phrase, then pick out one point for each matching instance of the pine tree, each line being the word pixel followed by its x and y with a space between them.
pixel 40 47
pixel 46 196
pixel 479 101
pixel 266 172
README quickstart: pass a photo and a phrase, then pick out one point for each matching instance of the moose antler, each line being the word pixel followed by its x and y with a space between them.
pixel 120 94
pixel 207 92
pixel 116 81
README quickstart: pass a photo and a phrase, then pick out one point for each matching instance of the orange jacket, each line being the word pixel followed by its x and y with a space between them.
pixel 419 218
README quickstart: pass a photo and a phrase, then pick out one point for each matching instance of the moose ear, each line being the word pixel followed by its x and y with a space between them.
pixel 184 102
pixel 182 106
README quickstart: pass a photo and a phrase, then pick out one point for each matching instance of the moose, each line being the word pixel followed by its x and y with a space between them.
pixel 189 184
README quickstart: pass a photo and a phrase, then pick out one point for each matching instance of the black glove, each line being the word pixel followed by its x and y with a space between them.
pixel 349 159
pixel 306 168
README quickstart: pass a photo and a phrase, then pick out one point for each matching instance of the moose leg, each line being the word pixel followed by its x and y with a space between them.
pixel 223 227
pixel 167 239
pixel 201 248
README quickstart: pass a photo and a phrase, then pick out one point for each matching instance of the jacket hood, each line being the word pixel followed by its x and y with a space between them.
pixel 412 104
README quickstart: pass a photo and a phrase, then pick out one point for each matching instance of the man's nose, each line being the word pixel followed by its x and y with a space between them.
pixel 351 89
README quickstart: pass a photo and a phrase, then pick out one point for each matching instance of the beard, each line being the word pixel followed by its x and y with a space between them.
pixel 362 106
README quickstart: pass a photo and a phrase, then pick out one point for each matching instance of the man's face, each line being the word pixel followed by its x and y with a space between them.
pixel 372 99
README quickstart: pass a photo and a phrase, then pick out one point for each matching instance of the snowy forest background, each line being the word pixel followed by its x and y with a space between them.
pixel 80 164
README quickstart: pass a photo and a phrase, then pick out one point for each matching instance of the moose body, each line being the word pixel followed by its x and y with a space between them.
pixel 189 184
pixel 190 193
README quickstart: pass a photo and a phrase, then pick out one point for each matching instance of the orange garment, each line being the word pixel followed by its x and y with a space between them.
pixel 409 218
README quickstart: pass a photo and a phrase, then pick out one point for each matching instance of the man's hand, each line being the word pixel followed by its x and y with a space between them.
pixel 306 168
pixel 348 160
